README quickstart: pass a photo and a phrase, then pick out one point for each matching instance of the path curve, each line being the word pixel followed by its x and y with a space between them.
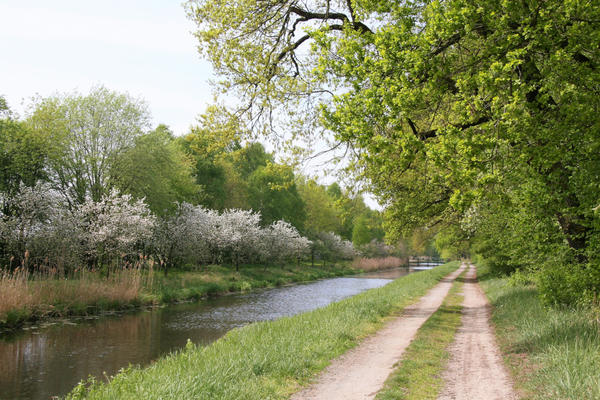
pixel 475 370
pixel 361 372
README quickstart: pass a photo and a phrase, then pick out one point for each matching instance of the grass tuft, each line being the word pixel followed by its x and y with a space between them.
pixel 373 264
pixel 25 295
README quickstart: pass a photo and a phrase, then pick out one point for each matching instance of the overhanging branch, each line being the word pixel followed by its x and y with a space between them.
pixel 434 132
pixel 309 15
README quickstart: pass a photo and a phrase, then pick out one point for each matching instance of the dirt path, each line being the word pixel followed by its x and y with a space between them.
pixel 361 372
pixel 475 370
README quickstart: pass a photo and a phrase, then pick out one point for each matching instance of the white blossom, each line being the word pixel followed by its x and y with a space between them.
pixel 283 241
pixel 184 236
pixel 114 225
pixel 102 232
pixel 333 246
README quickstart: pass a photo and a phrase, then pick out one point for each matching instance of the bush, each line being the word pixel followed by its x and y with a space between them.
pixel 376 249
pixel 570 284
pixel 522 278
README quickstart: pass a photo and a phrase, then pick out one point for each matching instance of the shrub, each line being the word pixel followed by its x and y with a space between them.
pixel 568 284
pixel 41 230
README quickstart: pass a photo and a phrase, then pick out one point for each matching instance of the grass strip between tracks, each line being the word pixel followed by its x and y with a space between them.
pixel 553 353
pixel 418 375
pixel 267 360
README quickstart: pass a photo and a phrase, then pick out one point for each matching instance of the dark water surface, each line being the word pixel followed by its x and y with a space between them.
pixel 50 359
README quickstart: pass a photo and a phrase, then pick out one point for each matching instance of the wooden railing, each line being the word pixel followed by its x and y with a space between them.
pixel 425 261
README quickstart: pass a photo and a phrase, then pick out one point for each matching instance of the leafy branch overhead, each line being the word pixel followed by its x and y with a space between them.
pixel 478 114
pixel 259 47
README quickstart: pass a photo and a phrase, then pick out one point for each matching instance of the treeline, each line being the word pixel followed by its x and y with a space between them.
pixel 117 231
pixel 85 182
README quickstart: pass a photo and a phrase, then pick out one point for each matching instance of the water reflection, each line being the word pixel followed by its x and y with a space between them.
pixel 50 360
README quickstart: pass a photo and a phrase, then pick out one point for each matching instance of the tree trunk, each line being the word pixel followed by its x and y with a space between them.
pixel 576 236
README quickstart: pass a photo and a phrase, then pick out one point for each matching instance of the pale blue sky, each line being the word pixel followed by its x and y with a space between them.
pixel 143 47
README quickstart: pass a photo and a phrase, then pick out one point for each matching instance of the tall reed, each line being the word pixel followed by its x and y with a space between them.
pixel 371 264
pixel 48 292
pixel 14 291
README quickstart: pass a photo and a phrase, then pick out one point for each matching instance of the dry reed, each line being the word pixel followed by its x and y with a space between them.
pixel 46 292
pixel 14 291
pixel 371 264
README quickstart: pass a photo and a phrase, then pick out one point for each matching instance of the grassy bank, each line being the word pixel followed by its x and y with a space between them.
pixel 30 297
pixel 418 376
pixel 553 353
pixel 217 280
pixel 267 360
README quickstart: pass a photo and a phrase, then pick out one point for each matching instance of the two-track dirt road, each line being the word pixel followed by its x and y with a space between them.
pixel 475 370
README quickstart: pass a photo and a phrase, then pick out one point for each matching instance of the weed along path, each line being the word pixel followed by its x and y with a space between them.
pixel 475 369
pixel 361 372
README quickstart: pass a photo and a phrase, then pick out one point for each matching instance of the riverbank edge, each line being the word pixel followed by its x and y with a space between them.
pixel 245 283
pixel 418 373
pixel 550 352
pixel 267 359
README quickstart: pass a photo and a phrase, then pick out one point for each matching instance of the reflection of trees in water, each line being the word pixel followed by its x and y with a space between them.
pixel 388 274
pixel 54 359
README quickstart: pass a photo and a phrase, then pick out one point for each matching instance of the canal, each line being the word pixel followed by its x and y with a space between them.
pixel 50 359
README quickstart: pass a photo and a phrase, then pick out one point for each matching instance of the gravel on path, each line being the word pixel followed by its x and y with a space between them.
pixel 475 370
pixel 361 372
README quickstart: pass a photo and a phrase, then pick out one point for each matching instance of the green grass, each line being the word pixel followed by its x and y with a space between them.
pixel 267 360
pixel 553 353
pixel 418 375
pixel 216 280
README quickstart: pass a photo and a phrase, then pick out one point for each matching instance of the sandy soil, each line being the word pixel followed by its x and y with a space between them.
pixel 475 370
pixel 361 372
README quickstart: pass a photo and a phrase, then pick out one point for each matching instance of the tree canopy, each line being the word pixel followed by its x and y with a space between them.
pixel 87 132
pixel 85 184
pixel 477 118
pixel 156 169
pixel 23 154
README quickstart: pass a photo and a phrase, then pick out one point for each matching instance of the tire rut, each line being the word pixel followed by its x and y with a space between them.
pixel 475 370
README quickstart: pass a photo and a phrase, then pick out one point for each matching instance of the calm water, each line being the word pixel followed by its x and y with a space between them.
pixel 49 360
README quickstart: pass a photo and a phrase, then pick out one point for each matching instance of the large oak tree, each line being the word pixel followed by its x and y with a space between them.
pixel 481 115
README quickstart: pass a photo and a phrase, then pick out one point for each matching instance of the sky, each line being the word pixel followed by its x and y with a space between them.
pixel 141 47
pixel 144 48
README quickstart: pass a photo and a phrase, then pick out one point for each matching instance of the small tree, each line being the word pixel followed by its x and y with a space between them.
pixel 31 210
pixel 239 235
pixel 115 226
pixel 334 247
pixel 184 236
pixel 284 242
